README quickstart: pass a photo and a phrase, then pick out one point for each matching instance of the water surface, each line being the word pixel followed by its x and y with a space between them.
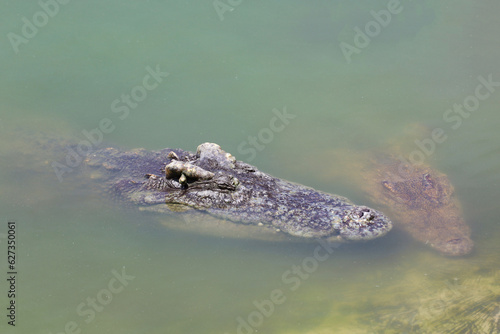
pixel 225 78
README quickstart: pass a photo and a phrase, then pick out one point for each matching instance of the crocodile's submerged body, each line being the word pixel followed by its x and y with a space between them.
pixel 211 181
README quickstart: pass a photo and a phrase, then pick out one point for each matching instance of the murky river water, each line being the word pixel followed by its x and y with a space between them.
pixel 177 74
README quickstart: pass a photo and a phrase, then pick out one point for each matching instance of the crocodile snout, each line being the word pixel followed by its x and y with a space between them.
pixel 456 246
pixel 362 223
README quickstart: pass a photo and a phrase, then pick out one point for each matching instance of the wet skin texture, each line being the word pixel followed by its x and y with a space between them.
pixel 213 182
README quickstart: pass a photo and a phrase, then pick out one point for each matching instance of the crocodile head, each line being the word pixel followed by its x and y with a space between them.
pixel 424 201
pixel 214 182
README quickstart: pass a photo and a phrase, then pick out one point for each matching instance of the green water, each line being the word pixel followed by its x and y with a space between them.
pixel 225 78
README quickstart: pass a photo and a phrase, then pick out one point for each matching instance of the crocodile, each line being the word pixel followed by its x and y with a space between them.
pixel 211 181
pixel 423 200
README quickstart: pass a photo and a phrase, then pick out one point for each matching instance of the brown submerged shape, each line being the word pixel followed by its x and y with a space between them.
pixel 422 201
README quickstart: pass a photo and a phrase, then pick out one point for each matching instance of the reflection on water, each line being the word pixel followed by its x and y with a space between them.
pixel 76 248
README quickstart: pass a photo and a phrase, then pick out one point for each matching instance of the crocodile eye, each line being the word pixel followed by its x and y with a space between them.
pixel 171 155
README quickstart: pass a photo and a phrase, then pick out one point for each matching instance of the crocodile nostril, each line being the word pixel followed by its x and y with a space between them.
pixel 366 214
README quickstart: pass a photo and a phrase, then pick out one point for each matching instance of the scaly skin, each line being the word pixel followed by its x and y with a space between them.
pixel 213 182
